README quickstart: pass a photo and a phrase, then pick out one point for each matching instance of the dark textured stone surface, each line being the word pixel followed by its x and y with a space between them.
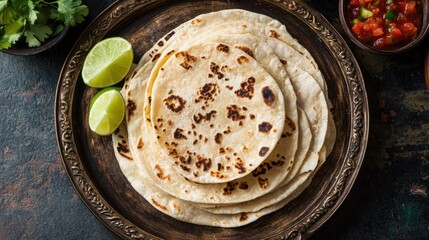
pixel 388 201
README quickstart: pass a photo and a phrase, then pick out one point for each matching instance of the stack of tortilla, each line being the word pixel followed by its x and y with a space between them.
pixel 227 120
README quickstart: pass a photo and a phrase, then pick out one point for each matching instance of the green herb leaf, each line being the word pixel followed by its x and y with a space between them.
pixel 72 12
pixel 37 34
pixel 37 20
pixel 6 41
pixel 25 9
pixel 6 15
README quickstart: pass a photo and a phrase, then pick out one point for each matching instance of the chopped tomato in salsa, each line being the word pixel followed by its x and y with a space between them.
pixel 385 23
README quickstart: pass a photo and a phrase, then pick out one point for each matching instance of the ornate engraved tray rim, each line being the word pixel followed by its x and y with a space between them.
pixel 117 13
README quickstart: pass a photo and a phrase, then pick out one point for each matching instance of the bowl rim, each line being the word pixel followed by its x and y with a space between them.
pixel 420 37
pixel 27 51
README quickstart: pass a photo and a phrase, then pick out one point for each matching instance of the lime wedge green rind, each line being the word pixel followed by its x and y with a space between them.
pixel 107 111
pixel 108 62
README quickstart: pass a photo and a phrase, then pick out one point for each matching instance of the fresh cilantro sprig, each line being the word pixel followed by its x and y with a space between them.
pixel 34 21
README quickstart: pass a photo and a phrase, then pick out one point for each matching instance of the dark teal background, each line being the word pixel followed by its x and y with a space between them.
pixel 388 201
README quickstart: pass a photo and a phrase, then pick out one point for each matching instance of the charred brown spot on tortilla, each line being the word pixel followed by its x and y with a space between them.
pixel 240 123
pixel 265 127
pixel 246 50
pixel 263 151
pixel 274 34
pixel 218 175
pixel 290 123
pixel 243 186
pixel 203 162
pixel 172 152
pixel 131 107
pixel 156 57
pixel 221 150
pixel 252 116
pixel 262 169
pixel 197 20
pixel 247 88
pixel 284 62
pixel 263 183
pixel 220 167
pixel 229 87
pixel 218 138
pixel 161 43
pixel 214 68
pixel 268 96
pixel 242 59
pixel 140 143
pixel 208 92
pixel 175 103
pixel 210 75
pixel 196 174
pixel 187 59
pixel 225 68
pixel 278 163
pixel 198 118
pixel 185 160
pixel 223 48
pixel 240 166
pixel 185 168
pixel 234 113
pixel 178 134
pixel 123 149
pixel 285 135
pixel 176 207
pixel 229 188
pixel 243 217
pixel 170 52
pixel 169 35
pixel 227 131
pixel 195 142
pixel 160 173
pixel 159 205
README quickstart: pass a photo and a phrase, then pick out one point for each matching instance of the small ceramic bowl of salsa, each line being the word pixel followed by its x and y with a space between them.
pixel 385 26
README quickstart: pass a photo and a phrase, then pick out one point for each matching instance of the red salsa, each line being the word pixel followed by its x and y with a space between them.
pixel 385 23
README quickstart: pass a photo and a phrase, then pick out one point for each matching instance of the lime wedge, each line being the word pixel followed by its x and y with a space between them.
pixel 107 63
pixel 107 110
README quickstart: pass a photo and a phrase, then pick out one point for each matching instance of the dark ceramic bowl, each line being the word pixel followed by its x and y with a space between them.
pixel 401 48
pixel 27 51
